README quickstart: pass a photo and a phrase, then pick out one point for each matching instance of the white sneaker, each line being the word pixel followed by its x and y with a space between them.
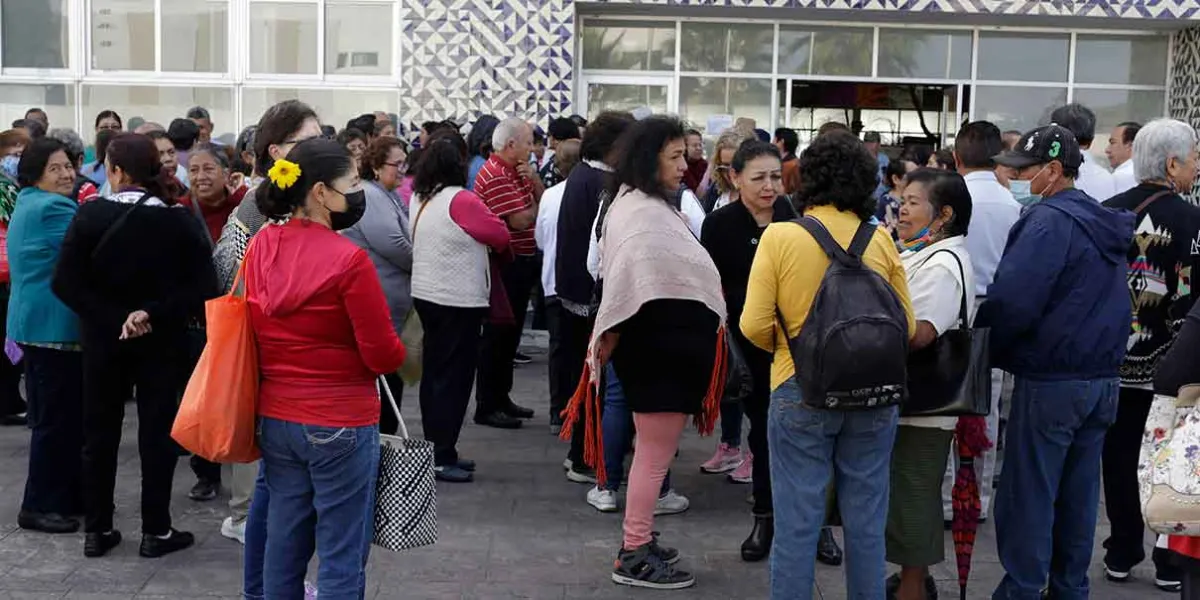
pixel 671 504
pixel 602 500
pixel 567 464
pixel 234 532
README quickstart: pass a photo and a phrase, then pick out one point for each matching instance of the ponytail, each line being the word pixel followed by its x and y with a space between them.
pixel 137 156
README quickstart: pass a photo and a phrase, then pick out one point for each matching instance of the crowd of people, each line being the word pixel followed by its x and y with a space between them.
pixel 660 269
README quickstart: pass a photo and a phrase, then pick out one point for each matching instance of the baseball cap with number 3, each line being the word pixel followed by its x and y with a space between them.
pixel 1041 146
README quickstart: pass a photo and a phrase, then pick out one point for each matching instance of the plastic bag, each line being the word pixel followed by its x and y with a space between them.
pixel 216 420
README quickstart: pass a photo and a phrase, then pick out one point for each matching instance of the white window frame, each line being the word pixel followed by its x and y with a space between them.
pixel 46 74
pixel 306 80
pixel 972 82
pixel 158 74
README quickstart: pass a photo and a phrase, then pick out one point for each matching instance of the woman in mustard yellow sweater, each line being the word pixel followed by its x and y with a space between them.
pixel 807 445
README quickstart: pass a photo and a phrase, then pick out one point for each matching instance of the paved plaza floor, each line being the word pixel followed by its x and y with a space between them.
pixel 520 531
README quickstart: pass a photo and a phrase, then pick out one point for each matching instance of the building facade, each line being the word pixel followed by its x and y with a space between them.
pixel 903 67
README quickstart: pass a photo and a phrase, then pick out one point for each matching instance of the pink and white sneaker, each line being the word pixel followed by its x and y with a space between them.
pixel 725 460
pixel 745 471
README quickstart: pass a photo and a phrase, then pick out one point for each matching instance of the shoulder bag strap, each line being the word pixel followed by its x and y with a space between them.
pixel 112 229
pixel 962 313
pixel 1148 201
pixel 420 211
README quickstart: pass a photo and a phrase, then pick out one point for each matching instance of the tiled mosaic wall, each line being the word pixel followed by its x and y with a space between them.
pixel 516 57
pixel 1185 82
pixel 508 57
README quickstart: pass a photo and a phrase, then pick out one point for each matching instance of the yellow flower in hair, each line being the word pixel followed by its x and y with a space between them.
pixel 284 174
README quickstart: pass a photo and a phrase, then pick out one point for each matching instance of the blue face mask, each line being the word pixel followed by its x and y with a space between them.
pixel 9 165
pixel 1022 193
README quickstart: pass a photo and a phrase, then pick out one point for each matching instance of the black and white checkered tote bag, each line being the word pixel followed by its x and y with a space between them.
pixel 405 501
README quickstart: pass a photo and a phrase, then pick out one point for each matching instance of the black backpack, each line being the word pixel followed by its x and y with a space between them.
pixel 852 351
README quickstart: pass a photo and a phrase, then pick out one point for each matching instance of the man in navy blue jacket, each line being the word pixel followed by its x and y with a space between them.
pixel 1059 314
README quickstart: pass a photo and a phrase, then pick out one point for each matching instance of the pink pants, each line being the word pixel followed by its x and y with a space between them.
pixel 657 441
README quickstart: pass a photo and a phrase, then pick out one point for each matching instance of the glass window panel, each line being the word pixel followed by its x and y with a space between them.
pixel 158 104
pixel 194 34
pixel 361 35
pixel 620 96
pixel 57 100
pixel 1116 106
pixel 1139 60
pixel 123 34
pixel 795 50
pixel 924 54
pixel 721 47
pixel 844 52
pixel 34 33
pixel 283 38
pixel 1011 56
pixel 629 45
pixel 701 97
pixel 1019 108
pixel 334 107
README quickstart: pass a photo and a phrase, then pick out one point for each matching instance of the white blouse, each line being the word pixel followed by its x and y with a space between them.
pixel 935 286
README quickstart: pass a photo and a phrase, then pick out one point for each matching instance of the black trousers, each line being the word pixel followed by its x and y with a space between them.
pixel 11 402
pixel 561 387
pixel 388 424
pixel 1126 542
pixel 451 354
pixel 112 369
pixel 500 342
pixel 1191 585
pixel 576 333
pixel 756 407
pixel 54 384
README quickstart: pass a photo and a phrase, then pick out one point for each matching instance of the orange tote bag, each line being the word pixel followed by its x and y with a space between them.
pixel 217 417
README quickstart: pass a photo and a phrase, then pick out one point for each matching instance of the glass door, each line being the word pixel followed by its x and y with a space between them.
pixel 631 93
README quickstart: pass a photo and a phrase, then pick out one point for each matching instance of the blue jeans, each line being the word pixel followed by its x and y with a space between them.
pixel 1049 493
pixel 807 446
pixel 255 552
pixel 616 427
pixel 321 482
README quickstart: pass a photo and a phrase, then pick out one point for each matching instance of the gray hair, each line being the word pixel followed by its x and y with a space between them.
pixel 1156 143
pixel 507 131
pixel 70 139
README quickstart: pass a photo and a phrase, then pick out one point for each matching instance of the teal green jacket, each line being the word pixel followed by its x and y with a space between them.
pixel 35 237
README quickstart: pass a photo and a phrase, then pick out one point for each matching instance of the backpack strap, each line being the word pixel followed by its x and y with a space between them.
pixel 825 240
pixel 862 238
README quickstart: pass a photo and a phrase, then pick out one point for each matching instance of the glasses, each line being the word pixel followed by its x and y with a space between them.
pixel 298 140
pixel 723 168
pixel 400 166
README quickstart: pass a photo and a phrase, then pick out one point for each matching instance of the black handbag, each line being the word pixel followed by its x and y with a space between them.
pixel 952 376
pixel 739 383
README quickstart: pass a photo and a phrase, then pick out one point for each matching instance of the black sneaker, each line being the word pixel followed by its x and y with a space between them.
pixel 643 568
pixel 498 420
pixel 98 544
pixel 828 551
pixel 668 554
pixel 154 546
pixel 205 490
pixel 521 359
pixel 518 411
pixel 46 522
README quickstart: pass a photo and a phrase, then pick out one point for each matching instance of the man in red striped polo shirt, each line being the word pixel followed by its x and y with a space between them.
pixel 510 187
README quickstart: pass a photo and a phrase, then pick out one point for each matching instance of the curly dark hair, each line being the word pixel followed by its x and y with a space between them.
pixel 377 154
pixel 639 149
pixel 837 170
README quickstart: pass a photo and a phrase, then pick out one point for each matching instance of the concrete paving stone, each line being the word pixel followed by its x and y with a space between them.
pixel 520 531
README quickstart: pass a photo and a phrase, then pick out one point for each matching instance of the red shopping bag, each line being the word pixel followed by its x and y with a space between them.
pixel 216 419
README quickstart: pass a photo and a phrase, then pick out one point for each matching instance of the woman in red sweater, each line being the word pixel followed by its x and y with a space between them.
pixel 324 334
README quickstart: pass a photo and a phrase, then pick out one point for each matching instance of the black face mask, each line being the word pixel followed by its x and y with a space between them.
pixel 356 205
